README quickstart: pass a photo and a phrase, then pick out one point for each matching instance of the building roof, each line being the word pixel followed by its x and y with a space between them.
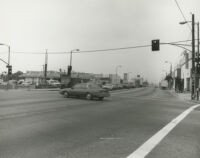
pixel 40 74
pixel 56 74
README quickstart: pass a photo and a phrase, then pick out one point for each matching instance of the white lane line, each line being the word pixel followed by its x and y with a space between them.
pixel 126 91
pixel 152 142
pixel 110 138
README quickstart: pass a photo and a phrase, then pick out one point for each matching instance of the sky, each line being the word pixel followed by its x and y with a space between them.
pixel 31 27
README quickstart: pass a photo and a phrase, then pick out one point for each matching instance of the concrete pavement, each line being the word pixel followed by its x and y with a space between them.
pixel 43 124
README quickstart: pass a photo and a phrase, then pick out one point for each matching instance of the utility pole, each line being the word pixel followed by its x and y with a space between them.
pixel 193 73
pixel 45 67
pixel 70 66
pixel 198 65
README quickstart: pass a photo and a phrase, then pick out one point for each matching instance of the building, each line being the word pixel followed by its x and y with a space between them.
pixel 114 79
pixel 137 81
pixel 182 73
pixel 126 78
pixel 37 77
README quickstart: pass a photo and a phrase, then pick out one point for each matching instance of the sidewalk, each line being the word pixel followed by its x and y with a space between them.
pixel 186 96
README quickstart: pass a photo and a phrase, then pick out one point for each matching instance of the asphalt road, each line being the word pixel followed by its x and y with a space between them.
pixel 43 124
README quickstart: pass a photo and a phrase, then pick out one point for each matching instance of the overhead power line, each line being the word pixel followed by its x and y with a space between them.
pixel 184 20
pixel 95 50
pixel 112 49
pixel 85 51
pixel 19 52
pixel 182 13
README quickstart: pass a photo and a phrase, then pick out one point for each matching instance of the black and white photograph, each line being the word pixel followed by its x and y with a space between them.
pixel 99 79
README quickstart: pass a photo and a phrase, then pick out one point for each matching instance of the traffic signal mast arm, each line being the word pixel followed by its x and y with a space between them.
pixel 177 45
pixel 155 44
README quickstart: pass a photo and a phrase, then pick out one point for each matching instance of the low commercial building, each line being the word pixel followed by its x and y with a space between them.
pixel 182 73
pixel 137 81
pixel 37 77
pixel 114 79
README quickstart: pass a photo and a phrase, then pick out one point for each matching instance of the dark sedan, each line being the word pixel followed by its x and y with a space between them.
pixel 85 90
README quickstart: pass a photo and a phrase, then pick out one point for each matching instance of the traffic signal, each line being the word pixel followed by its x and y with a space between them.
pixel 9 69
pixel 69 70
pixel 155 45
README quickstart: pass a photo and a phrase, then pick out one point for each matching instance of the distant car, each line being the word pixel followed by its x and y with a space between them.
pixel 119 86
pixel 3 83
pixel 26 83
pixel 164 84
pixel 85 90
pixel 20 81
pixel 54 83
pixel 127 85
pixel 108 86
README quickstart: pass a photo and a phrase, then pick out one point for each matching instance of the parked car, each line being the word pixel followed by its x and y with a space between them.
pixel 108 86
pixel 119 86
pixel 26 83
pixel 3 83
pixel 54 83
pixel 20 81
pixel 127 85
pixel 85 90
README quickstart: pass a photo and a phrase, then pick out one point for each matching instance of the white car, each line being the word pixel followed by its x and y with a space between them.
pixel 54 83
pixel 26 83
pixel 108 86
pixel 3 83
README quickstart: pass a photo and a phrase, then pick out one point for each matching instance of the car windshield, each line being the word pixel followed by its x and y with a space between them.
pixel 93 86
pixel 78 86
pixel 108 84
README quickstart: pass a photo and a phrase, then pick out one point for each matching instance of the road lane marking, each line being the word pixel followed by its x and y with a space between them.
pixel 109 138
pixel 152 142
pixel 126 91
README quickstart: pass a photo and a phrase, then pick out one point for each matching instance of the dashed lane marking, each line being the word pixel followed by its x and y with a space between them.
pixel 152 142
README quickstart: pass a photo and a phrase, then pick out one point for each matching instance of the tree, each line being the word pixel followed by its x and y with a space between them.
pixel 169 80
pixel 16 76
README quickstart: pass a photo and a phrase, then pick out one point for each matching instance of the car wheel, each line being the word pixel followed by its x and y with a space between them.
pixel 89 96
pixel 101 98
pixel 66 94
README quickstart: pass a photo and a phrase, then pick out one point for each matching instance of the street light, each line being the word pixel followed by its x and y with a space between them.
pixel 196 70
pixel 193 74
pixel 184 22
pixel 118 66
pixel 198 64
